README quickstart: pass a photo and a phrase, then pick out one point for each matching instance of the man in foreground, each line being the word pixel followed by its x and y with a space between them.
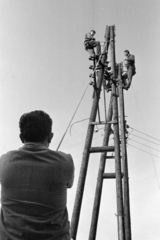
pixel 34 183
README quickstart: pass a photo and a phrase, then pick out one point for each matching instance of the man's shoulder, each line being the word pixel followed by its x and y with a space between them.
pixel 5 159
pixel 9 154
pixel 45 153
pixel 87 35
pixel 61 155
pixel 64 160
pixel 131 56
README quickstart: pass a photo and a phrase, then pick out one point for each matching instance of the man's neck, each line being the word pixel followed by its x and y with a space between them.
pixel 44 143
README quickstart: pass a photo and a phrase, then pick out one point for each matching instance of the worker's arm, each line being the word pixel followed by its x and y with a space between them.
pixel 1 163
pixel 89 37
pixel 131 59
pixel 72 168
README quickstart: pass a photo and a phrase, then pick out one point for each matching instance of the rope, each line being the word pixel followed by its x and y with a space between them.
pixel 77 122
pixel 72 118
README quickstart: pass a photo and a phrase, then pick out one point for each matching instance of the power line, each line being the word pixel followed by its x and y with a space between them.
pixel 72 145
pixel 144 134
pixel 144 139
pixel 143 144
pixel 148 142
pixel 143 151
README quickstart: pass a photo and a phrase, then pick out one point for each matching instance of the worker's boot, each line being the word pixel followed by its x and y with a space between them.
pixel 108 68
pixel 91 75
pixel 125 87
pixel 93 57
pixel 109 89
pixel 91 83
pixel 91 67
pixel 98 67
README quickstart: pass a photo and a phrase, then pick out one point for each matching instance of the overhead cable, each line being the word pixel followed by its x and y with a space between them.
pixel 143 150
pixel 72 118
pixel 144 139
pixel 144 134
pixel 143 144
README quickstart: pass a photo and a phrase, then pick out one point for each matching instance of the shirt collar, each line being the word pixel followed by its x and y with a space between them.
pixel 34 145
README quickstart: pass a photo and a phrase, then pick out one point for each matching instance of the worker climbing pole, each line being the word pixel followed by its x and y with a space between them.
pixel 129 69
pixel 90 43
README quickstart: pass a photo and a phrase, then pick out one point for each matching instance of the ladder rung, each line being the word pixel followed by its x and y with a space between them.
pixel 112 122
pixel 115 95
pixel 102 149
pixel 109 157
pixel 110 175
pixel 97 123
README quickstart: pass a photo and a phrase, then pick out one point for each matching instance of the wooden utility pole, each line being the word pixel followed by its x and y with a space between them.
pixel 88 141
pixel 127 221
pixel 120 213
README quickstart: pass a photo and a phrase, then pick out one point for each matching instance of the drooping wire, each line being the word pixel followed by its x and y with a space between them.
pixel 143 144
pixel 77 122
pixel 72 118
pixel 148 142
pixel 78 143
pixel 144 139
pixel 143 150
pixel 144 133
pixel 81 135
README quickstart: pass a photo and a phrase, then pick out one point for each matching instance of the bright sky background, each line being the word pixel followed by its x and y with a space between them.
pixel 43 65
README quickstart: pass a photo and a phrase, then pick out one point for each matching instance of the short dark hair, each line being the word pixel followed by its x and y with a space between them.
pixel 93 31
pixel 35 126
pixel 127 51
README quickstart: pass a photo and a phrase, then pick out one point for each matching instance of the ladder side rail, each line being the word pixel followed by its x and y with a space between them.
pixel 98 192
pixel 127 220
pixel 94 91
pixel 119 194
pixel 85 158
pixel 105 108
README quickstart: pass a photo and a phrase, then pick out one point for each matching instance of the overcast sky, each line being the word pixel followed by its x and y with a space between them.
pixel 43 65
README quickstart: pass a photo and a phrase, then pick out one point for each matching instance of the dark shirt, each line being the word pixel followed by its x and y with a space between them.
pixel 87 40
pixel 34 183
pixel 131 60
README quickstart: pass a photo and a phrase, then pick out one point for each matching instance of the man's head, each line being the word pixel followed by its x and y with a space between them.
pixel 92 32
pixel 126 53
pixel 36 126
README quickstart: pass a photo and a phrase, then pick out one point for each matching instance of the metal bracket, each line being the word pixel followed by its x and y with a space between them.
pixel 114 95
pixel 97 123
pixel 120 215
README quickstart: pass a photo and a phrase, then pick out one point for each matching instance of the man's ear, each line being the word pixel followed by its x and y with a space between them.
pixel 21 137
pixel 50 137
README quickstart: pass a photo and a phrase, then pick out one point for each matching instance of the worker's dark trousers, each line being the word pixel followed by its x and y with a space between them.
pixel 130 73
pixel 94 44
